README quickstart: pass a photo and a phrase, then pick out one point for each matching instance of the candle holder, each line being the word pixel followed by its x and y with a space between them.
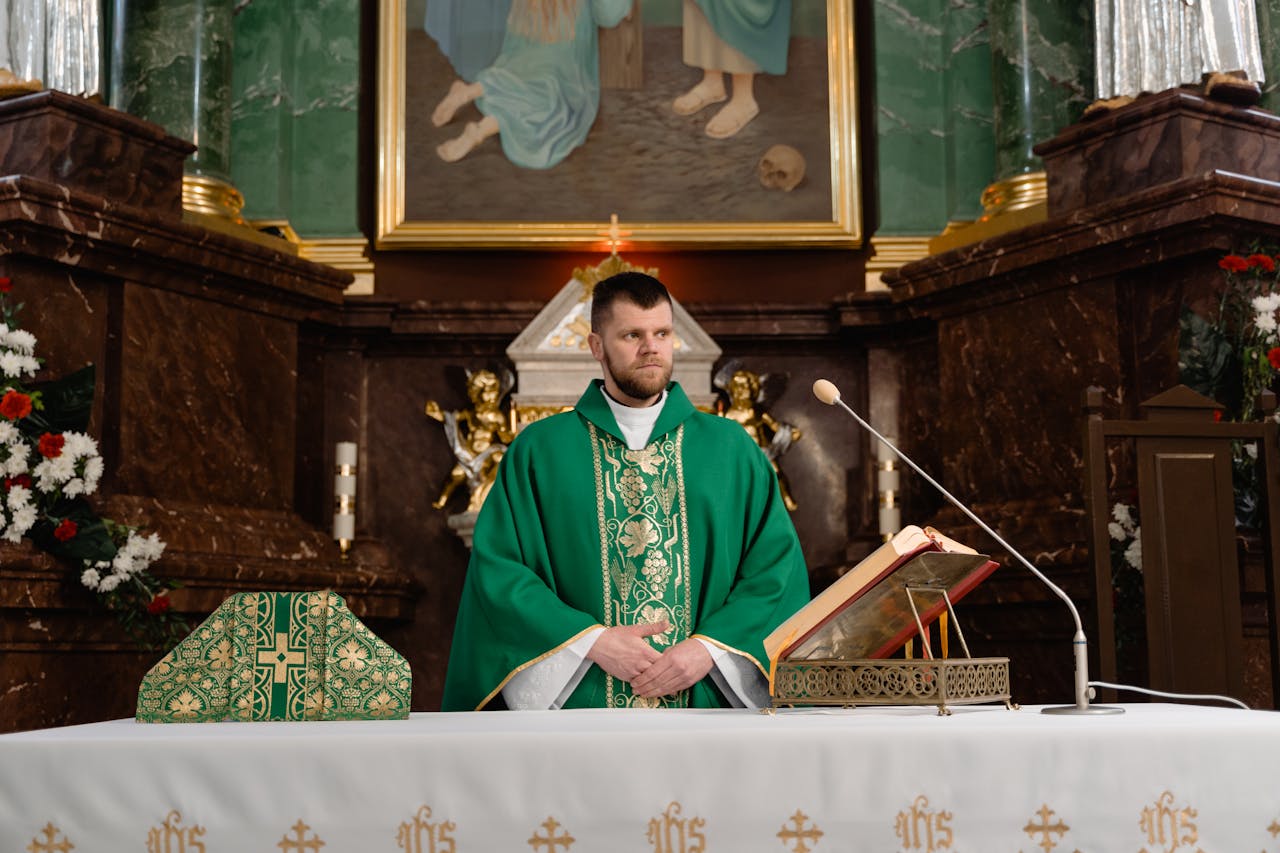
pixel 887 479
pixel 344 495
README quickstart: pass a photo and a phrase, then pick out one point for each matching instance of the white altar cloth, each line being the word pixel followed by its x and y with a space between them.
pixel 1158 778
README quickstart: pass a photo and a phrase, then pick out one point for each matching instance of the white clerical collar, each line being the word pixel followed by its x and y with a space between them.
pixel 636 424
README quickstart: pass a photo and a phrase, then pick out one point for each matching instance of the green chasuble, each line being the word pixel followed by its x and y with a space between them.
pixel 579 532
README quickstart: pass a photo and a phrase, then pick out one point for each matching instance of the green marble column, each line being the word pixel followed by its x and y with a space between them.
pixel 262 107
pixel 295 113
pixel 326 92
pixel 1042 75
pixel 911 149
pixel 171 64
pixel 970 132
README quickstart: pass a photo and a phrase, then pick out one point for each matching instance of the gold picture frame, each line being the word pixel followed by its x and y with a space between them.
pixel 410 216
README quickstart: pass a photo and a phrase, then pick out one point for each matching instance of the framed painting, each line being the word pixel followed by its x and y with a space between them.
pixel 530 123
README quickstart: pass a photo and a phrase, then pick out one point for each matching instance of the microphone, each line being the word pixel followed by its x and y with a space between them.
pixel 828 393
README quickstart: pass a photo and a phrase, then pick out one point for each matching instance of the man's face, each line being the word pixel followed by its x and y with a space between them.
pixel 634 349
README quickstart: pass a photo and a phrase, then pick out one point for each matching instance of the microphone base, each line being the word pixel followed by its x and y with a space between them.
pixel 1089 710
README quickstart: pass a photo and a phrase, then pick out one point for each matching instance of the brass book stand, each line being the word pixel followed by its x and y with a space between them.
pixel 851 682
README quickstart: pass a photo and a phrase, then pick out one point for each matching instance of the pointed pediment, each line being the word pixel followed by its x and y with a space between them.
pixel 554 364
pixel 1179 403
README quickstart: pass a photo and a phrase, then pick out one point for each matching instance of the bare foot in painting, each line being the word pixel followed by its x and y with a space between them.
pixel 709 91
pixel 732 117
pixel 475 133
pixel 460 94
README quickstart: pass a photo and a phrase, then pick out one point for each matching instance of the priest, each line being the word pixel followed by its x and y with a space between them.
pixel 633 552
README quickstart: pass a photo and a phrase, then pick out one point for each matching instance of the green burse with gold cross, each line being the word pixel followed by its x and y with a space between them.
pixel 278 656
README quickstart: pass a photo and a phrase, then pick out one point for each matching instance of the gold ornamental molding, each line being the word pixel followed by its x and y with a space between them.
pixel 889 253
pixel 395 229
pixel 345 253
pixel 212 197
pixel 1012 194
pixel 1007 206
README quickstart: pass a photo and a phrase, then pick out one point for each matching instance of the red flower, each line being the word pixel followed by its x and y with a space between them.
pixel 51 445
pixel 15 405
pixel 158 604
pixel 1267 262
pixel 65 531
pixel 1273 356
pixel 23 480
pixel 1217 415
pixel 6 284
pixel 1234 263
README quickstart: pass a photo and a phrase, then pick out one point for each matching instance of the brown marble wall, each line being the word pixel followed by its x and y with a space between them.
pixel 194 336
pixel 183 395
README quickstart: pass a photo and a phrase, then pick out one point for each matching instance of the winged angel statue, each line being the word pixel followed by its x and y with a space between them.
pixel 749 394
pixel 478 436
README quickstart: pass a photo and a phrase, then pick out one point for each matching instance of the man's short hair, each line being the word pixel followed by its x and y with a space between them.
pixel 643 290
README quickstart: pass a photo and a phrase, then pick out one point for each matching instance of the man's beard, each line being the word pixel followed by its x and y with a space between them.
pixel 637 385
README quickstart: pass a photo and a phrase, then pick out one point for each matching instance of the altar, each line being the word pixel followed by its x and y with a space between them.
pixel 1159 777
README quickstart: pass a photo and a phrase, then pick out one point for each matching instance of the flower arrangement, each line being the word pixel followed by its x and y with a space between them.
pixel 50 466
pixel 1126 576
pixel 1234 355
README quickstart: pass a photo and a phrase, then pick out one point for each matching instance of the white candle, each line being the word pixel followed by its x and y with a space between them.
pixel 344 484
pixel 344 526
pixel 890 520
pixel 346 453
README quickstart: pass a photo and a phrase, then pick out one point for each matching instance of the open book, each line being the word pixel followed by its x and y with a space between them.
pixel 866 614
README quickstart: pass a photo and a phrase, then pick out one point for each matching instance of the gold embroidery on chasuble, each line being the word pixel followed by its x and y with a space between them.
pixel 644 547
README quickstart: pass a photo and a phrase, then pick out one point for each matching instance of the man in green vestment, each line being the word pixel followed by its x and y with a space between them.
pixel 633 552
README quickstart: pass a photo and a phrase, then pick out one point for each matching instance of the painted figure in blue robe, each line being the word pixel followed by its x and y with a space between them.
pixel 740 38
pixel 541 94
pixel 468 32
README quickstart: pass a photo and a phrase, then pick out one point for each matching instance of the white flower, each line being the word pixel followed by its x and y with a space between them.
pixel 1117 532
pixel 22 341
pixel 90 578
pixel 1252 450
pixel 1123 513
pixel 24 518
pixel 1133 554
pixel 78 444
pixel 17 463
pixel 50 474
pixel 109 583
pixel 92 474
pixel 1265 322
pixel 14 365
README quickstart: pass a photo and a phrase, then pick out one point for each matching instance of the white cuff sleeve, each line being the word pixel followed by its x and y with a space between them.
pixel 738 678
pixel 550 682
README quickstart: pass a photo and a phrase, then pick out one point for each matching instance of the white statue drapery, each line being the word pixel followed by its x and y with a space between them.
pixel 1153 45
pixel 54 41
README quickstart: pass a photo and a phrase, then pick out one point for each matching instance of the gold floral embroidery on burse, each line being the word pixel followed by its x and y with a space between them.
pixel 644 546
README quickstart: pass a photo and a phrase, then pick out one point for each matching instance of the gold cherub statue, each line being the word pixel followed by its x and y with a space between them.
pixel 746 393
pixel 478 436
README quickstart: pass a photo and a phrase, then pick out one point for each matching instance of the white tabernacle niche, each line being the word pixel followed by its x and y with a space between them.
pixel 553 363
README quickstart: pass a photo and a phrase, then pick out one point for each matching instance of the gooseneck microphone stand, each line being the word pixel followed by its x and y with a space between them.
pixel 828 393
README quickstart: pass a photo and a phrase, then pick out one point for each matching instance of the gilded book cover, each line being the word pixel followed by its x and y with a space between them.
pixel 277 656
